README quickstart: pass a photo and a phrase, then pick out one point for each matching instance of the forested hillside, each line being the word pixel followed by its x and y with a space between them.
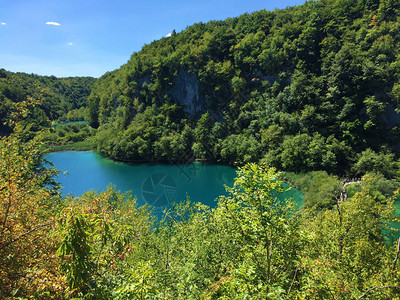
pixel 306 88
pixel 58 97
pixel 310 88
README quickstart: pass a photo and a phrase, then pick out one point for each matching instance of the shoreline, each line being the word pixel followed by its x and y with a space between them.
pixel 83 148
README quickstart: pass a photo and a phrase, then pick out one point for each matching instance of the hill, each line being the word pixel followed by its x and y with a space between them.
pixel 305 88
pixel 57 97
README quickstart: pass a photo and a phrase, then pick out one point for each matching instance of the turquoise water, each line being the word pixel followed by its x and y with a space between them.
pixel 155 184
pixel 69 122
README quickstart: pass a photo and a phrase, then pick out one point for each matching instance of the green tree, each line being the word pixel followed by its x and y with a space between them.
pixel 93 112
pixel 346 253
pixel 202 147
pixel 27 222
pixel 97 235
pixel 266 231
pixel 370 161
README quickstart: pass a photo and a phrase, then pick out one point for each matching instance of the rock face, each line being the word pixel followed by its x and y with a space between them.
pixel 186 92
pixel 391 118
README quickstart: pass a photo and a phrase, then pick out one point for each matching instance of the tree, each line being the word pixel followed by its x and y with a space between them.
pixel 370 161
pixel 202 147
pixel 305 153
pixel 27 207
pixel 346 253
pixel 93 112
pixel 98 233
pixel 265 230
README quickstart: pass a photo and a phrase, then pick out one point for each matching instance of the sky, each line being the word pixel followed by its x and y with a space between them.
pixel 91 37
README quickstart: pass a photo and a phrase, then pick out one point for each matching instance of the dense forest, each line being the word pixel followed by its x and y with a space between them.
pixel 60 98
pixel 313 87
pixel 300 95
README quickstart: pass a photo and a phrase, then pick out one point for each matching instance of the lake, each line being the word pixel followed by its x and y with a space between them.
pixel 68 123
pixel 158 185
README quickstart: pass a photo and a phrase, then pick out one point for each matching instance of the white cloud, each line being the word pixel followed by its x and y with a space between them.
pixel 3 23
pixel 169 34
pixel 70 44
pixel 53 23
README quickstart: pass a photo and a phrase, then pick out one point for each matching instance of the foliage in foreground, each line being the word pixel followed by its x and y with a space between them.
pixel 102 246
pixel 28 262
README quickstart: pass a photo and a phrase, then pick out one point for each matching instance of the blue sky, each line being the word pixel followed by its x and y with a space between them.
pixel 91 37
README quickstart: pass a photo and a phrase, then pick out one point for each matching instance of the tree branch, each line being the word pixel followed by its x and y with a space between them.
pixel 340 234
pixel 377 288
pixel 397 255
pixel 294 277
pixel 25 234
